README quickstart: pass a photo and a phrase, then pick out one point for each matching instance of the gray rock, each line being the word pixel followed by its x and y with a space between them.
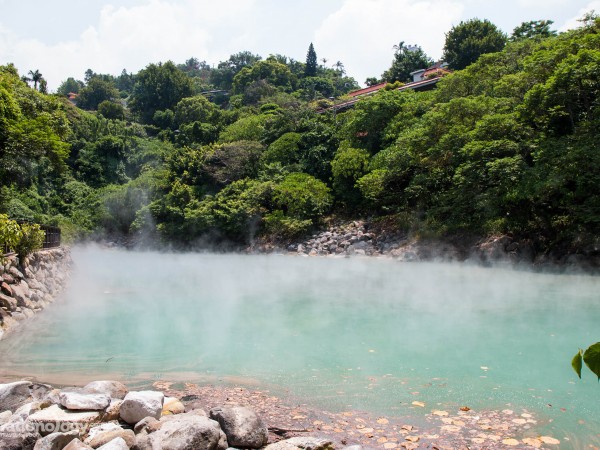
pixel 186 432
pixel 84 402
pixel 113 389
pixel 39 391
pixel 14 395
pixel 5 417
pixel 242 426
pixel 7 302
pixel 15 273
pixel 105 433
pixel 301 442
pixel 76 444
pixel 137 405
pixel 115 444
pixel 147 424
pixel 11 440
pixel 55 441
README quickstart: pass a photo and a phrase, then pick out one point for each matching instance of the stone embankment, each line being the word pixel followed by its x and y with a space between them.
pixel 105 415
pixel 28 286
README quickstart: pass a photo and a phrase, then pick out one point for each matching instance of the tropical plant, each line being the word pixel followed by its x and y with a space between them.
pixel 591 358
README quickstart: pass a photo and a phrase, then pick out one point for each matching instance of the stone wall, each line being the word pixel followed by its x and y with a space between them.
pixel 28 286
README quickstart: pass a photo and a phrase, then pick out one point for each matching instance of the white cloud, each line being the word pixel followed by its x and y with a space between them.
pixel 574 21
pixel 362 33
pixel 541 3
pixel 129 37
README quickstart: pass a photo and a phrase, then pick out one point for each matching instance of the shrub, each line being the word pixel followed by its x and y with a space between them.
pixel 10 233
pixel 32 238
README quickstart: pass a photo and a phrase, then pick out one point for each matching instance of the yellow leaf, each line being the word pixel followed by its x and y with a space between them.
pixel 510 441
pixel 421 404
pixel 549 440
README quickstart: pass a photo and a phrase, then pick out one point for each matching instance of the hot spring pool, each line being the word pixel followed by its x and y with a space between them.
pixel 367 334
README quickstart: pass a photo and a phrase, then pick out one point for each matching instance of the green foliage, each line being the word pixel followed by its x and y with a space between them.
pixel 249 128
pixel 348 165
pixel 591 357
pixel 534 29
pixel 302 196
pixel 95 92
pixel 195 109
pixel 467 41
pixel 111 110
pixel 406 60
pixel 285 150
pixel 278 225
pixel 69 85
pixel 10 233
pixel 310 69
pixel 159 87
pixel 275 74
pixel 32 238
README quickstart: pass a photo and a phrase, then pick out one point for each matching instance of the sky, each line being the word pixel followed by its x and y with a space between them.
pixel 63 38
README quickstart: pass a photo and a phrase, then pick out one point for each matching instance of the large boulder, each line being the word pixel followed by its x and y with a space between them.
pixel 56 419
pixel 140 404
pixel 8 302
pixel 114 389
pixel 242 426
pixel 84 402
pixel 55 441
pixel 22 293
pixel 14 395
pixel 185 432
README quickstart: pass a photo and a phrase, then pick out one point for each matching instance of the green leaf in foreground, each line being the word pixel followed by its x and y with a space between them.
pixel 591 357
pixel 577 363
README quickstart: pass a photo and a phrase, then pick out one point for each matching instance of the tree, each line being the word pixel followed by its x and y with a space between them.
pixel 69 85
pixel 96 92
pixel 372 81
pixel 311 62
pixel 36 77
pixel 467 41
pixel 159 87
pixel 407 59
pixel 111 110
pixel 533 29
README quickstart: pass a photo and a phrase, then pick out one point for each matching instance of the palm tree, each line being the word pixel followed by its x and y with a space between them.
pixel 35 77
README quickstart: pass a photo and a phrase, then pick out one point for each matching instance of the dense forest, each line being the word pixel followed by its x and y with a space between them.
pixel 187 153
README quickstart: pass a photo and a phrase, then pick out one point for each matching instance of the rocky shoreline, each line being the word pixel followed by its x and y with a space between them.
pixel 30 285
pixel 363 238
pixel 105 415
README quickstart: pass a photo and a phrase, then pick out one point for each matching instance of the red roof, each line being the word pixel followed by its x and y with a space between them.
pixel 367 90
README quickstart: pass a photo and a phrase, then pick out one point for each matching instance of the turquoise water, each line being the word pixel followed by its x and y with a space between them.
pixel 367 334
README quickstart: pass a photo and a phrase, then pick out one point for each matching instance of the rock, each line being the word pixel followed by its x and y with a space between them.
pixel 137 405
pixel 301 442
pixel 112 412
pixel 8 278
pixel 8 302
pixel 113 389
pixel 17 440
pixel 195 405
pixel 105 433
pixel 115 444
pixel 6 289
pixel 242 426
pixel 14 395
pixel 22 293
pixel 5 417
pixel 40 392
pixel 353 447
pixel 172 405
pixel 55 419
pixel 84 402
pixel 55 441
pixel 16 273
pixel 187 432
pixel 147 424
pixel 76 444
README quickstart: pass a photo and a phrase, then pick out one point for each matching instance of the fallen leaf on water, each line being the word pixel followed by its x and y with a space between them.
pixel 382 440
pixel 510 441
pixel 365 430
pixel 298 417
pixel 484 368
pixel 407 427
pixel 390 445
pixel 371 351
pixel 338 430
pixel 450 428
pixel 412 438
pixel 465 408
pixel 534 442
pixel 527 416
pixel 421 404
pixel 317 422
pixel 519 421
pixel 440 413
pixel 507 411
pixel 383 421
pixel 549 440
pixel 477 440
pixel 409 445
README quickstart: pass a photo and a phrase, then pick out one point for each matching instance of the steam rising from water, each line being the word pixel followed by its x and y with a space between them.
pixel 373 334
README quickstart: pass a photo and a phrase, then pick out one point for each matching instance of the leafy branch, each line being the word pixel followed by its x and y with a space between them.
pixel 591 358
